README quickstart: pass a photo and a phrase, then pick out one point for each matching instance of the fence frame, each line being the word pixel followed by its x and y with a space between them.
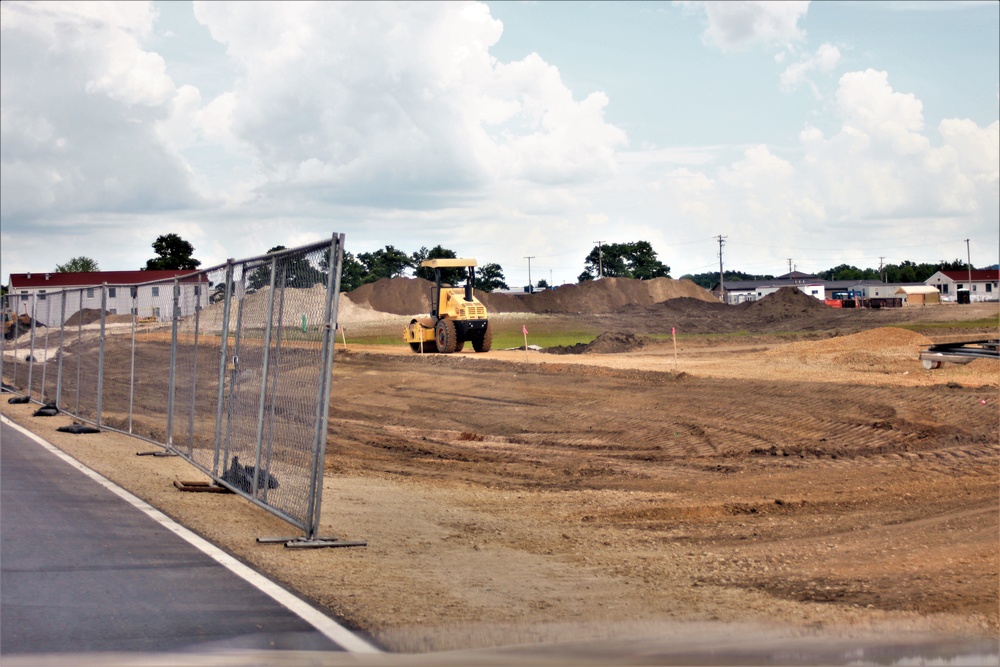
pixel 331 253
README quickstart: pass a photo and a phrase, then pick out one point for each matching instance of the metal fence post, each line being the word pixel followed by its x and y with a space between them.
pixel 45 343
pixel 62 338
pixel 236 367
pixel 100 354
pixel 323 394
pixel 134 291
pixel 194 365
pixel 79 351
pixel 224 351
pixel 173 365
pixel 31 342
pixel 263 377
pixel 282 284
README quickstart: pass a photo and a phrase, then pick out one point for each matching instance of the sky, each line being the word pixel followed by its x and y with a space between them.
pixel 806 135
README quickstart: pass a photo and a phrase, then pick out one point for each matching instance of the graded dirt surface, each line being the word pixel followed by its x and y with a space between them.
pixel 821 484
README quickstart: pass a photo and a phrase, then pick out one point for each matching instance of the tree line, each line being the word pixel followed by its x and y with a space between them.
pixel 637 260
pixel 904 272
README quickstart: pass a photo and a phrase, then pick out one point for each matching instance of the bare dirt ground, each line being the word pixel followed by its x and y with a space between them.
pixel 817 484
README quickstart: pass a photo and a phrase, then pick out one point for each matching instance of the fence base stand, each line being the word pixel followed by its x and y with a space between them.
pixel 200 487
pixel 156 453
pixel 315 543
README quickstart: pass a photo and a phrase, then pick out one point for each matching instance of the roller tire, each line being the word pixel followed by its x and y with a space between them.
pixel 445 336
pixel 483 342
pixel 416 347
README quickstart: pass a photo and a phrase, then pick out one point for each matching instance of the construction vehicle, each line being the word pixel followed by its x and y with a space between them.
pixel 456 316
pixel 14 325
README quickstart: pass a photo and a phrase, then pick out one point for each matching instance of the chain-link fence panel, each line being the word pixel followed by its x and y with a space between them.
pixel 228 367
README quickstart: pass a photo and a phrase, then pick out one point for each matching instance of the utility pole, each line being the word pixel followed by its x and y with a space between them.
pixel 600 259
pixel 531 287
pixel 968 263
pixel 722 279
pixel 789 267
pixel 880 276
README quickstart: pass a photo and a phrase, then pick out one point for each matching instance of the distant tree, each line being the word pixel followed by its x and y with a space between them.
pixel 624 260
pixel 848 272
pixel 489 277
pixel 449 276
pixel 78 265
pixel 352 273
pixel 295 271
pixel 708 280
pixel 389 262
pixel 172 252
pixel 543 284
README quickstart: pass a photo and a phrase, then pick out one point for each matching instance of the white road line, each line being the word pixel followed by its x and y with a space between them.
pixel 335 632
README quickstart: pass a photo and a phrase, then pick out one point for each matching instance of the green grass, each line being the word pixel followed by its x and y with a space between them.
pixel 983 323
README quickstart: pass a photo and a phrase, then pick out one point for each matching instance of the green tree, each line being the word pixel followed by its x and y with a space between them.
pixel 78 265
pixel 624 260
pixel 848 272
pixel 490 277
pixel 296 271
pixel 449 276
pixel 172 252
pixel 708 280
pixel 352 273
pixel 389 262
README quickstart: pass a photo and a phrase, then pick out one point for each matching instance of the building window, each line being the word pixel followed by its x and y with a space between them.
pixel 197 290
pixel 944 288
pixel 90 292
pixel 958 286
pixel 156 311
pixel 975 287
pixel 24 295
pixel 989 287
pixel 41 295
pixel 135 311
pixel 112 292
pixel 156 291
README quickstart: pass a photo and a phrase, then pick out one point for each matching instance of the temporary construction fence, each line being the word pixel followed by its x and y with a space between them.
pixel 229 367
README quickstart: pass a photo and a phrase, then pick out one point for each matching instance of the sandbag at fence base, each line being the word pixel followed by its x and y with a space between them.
pixel 77 429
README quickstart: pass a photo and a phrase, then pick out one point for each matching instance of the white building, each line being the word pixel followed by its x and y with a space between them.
pixel 41 295
pixel 985 284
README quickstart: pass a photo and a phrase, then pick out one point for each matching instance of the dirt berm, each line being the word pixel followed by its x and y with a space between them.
pixel 406 296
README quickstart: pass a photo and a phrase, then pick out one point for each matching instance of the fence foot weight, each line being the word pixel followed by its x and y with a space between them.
pixel 156 453
pixel 200 487
pixel 315 543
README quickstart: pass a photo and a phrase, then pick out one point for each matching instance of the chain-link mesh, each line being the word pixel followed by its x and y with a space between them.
pixel 228 367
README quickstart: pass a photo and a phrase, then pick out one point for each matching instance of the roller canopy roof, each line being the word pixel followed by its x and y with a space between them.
pixel 448 263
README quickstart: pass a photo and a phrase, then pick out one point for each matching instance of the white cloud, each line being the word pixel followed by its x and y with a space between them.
pixel 404 103
pixel 737 25
pixel 79 96
pixel 823 61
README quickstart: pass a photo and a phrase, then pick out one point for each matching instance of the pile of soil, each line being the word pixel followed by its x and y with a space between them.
pixel 84 316
pixel 399 296
pixel 407 296
pixel 878 349
pixel 785 303
pixel 310 302
pixel 607 343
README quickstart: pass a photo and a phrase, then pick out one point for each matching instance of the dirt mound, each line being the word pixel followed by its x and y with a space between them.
pixel 408 296
pixel 399 296
pixel 607 343
pixel 875 349
pixel 598 296
pixel 786 302
pixel 298 302
pixel 84 316
pixel 687 305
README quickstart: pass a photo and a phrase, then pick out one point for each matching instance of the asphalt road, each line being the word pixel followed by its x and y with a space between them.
pixel 83 571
